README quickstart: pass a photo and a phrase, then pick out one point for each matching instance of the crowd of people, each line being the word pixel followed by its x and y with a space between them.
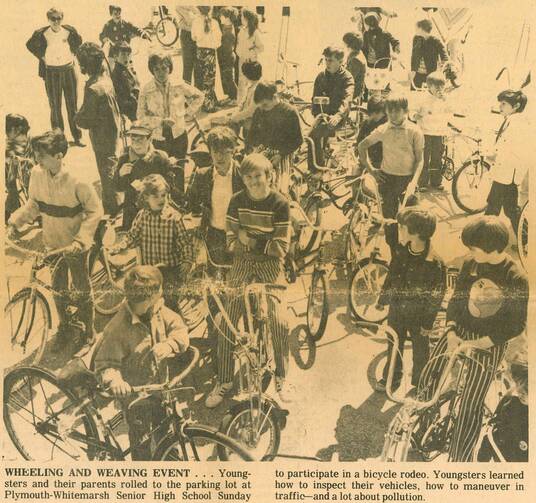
pixel 243 199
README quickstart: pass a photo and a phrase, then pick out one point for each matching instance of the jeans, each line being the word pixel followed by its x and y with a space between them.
pixel 505 197
pixel 432 167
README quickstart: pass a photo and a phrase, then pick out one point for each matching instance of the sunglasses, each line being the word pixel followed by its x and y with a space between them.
pixel 55 18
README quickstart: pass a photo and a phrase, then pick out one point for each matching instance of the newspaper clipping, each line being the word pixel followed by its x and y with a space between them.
pixel 289 237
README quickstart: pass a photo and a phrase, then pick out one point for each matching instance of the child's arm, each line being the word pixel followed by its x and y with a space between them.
pixel 176 331
pixel 132 236
pixel 375 137
pixel 395 44
pixel 88 115
pixel 30 211
pixel 184 244
pixel 93 214
pixel 232 227
pixel 194 98
pixel 418 151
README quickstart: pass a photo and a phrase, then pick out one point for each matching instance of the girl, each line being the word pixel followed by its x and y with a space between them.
pixel 206 34
pixel 249 44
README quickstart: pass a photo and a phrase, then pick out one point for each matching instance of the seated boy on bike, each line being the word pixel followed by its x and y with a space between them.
pixel 258 236
pixel 142 334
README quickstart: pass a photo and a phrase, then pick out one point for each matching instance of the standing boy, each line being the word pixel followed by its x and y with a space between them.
pixel 126 84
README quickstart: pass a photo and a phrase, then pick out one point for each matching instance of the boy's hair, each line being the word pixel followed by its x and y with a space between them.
pixel 229 12
pixel 353 40
pixel 14 121
pixel 336 52
pixel 487 233
pixel 157 59
pixel 252 70
pixel 141 283
pixel 254 161
pixel 54 11
pixel 425 25
pixel 513 98
pixel 436 79
pixel 150 185
pixel 396 102
pixel 375 104
pixel 418 221
pixel 264 91
pixel 90 56
pixel 372 19
pixel 51 143
pixel 113 8
pixel 220 138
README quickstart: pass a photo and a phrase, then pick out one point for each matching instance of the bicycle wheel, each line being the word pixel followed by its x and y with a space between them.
pixel 523 236
pixel 27 315
pixel 317 306
pixel 447 168
pixel 44 419
pixel 309 237
pixel 199 443
pixel 256 428
pixel 471 185
pixel 302 347
pixel 354 231
pixel 106 296
pixel 167 32
pixel 365 287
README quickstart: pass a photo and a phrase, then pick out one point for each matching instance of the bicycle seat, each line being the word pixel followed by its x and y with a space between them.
pixel 75 374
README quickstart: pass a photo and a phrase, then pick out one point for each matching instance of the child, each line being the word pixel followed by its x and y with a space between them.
pixel 377 44
pixel 258 236
pixel 376 117
pixel 159 232
pixel 125 80
pixel 356 63
pixel 402 157
pixel 413 290
pixel 139 336
pixel 433 117
pixel 487 309
pixel 509 171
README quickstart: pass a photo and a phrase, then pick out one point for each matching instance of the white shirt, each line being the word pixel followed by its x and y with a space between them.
pixel 248 48
pixel 58 52
pixel 435 115
pixel 204 40
pixel 222 191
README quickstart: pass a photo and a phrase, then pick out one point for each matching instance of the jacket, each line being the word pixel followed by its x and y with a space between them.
pixel 430 49
pixel 119 32
pixel 37 44
pixel 338 87
pixel 356 64
pixel 199 195
pixel 127 90
pixel 381 42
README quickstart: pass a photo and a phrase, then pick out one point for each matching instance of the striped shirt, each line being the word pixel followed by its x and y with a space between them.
pixel 161 237
pixel 267 221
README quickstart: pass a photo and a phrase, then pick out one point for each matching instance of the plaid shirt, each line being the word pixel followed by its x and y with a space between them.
pixel 162 237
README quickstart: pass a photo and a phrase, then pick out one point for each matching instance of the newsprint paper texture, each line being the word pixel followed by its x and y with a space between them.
pixel 308 404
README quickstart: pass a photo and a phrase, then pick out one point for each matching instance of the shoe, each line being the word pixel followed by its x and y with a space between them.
pixel 282 390
pixel 77 143
pixel 216 396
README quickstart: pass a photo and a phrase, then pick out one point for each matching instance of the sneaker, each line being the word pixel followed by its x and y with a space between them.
pixel 282 390
pixel 216 396
pixel 77 143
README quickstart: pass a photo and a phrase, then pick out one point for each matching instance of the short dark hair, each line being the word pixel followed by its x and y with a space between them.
pixel 113 8
pixel 252 70
pixel 264 91
pixel 157 59
pixel 436 79
pixel 488 233
pixel 229 12
pixel 142 282
pixel 425 25
pixel 335 51
pixel 90 57
pixel 372 19
pixel 353 40
pixel 149 186
pixel 17 121
pixel 52 143
pixel 375 104
pixel 54 10
pixel 418 221
pixel 513 98
pixel 396 102
pixel 221 137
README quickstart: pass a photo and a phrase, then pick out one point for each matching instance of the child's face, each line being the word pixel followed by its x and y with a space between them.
pixel 267 105
pixel 377 116
pixel 222 159
pixel 157 201
pixel 396 116
pixel 52 163
pixel 256 182
pixel 333 63
pixel 140 143
pixel 481 256
pixel 404 237
pixel 506 109
pixel 140 308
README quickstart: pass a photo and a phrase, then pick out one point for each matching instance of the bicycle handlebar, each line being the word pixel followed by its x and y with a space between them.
pixel 43 254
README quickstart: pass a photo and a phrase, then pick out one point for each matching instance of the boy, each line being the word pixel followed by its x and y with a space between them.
pixel 118 30
pixel 487 309
pixel 126 84
pixel 376 117
pixel 402 157
pixel 70 212
pixel 413 290
pixel 377 44
pixel 433 116
pixel 258 236
pixel 142 334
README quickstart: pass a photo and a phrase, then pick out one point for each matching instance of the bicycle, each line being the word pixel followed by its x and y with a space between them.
pixel 48 418
pixel 523 236
pixel 167 27
pixel 18 170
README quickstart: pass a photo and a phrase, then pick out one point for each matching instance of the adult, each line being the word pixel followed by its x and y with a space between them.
pixel 163 105
pixel 356 63
pixel 336 83
pixel 206 34
pixel 186 16
pixel 125 80
pixel 249 43
pixel 226 52
pixel 378 44
pixel 100 115
pixel 55 46
pixel 426 54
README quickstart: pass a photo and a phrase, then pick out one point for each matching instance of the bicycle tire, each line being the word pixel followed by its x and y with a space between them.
pixel 14 383
pixel 313 211
pixel 318 285
pixel 300 345
pixel 522 235
pixel 170 447
pixel 106 297
pixel 460 201
pixel 167 23
pixel 23 296
pixel 268 416
pixel 365 313
pixel 355 220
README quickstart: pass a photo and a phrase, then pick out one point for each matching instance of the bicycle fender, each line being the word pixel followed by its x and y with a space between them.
pixel 39 293
pixel 269 404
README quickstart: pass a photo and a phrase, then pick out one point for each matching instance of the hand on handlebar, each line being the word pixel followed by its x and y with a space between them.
pixel 118 386
pixel 378 174
pixel 162 350
pixel 75 248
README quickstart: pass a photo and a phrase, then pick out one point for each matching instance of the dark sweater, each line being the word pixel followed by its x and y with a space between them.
pixel 278 128
pixel 338 87
pixel 127 90
pixel 381 42
pixel 414 287
pixel 375 152
pixel 119 32
pixel 490 300
pixel 431 49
